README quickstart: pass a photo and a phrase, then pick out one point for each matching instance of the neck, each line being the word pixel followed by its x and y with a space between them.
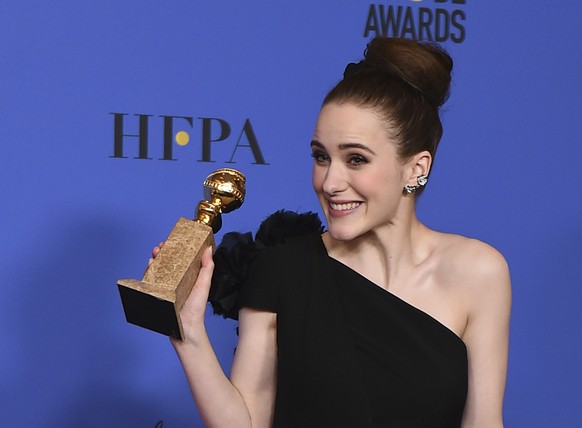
pixel 385 254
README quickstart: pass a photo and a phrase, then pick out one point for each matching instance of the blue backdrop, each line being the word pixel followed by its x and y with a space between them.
pixel 245 81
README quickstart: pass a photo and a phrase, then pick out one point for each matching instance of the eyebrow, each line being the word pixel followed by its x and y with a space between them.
pixel 345 146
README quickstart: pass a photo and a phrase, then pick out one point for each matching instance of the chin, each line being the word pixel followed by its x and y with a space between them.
pixel 342 233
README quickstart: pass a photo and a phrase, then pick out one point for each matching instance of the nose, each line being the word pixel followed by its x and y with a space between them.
pixel 335 180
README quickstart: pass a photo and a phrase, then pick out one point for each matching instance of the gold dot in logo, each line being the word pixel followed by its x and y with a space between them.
pixel 182 138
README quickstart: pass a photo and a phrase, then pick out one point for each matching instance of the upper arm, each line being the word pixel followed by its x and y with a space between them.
pixel 487 337
pixel 255 363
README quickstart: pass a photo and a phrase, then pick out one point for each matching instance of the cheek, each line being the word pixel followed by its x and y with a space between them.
pixel 390 175
pixel 371 180
pixel 317 178
pixel 380 183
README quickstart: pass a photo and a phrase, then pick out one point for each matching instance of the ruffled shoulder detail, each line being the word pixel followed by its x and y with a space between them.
pixel 237 250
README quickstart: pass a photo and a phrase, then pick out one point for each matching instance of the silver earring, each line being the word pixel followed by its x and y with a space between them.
pixel 421 180
pixel 410 189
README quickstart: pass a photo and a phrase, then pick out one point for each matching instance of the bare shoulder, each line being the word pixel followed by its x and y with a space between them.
pixel 470 260
pixel 477 270
pixel 482 290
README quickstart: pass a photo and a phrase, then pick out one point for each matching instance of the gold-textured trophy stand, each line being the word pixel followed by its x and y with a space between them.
pixel 155 301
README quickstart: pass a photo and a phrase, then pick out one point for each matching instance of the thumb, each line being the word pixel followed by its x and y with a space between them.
pixel 202 285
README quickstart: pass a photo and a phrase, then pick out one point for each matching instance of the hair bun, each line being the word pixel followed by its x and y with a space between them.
pixel 424 66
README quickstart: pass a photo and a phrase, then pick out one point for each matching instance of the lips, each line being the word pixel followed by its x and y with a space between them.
pixel 337 209
pixel 344 207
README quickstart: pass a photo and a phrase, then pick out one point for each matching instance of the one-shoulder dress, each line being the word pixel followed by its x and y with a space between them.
pixel 351 354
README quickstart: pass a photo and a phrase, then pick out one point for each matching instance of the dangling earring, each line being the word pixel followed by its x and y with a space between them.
pixel 421 180
pixel 410 189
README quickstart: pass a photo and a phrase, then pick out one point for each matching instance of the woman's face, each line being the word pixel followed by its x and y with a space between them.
pixel 357 175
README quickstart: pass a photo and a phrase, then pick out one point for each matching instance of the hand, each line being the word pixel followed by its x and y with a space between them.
pixel 194 309
pixel 155 252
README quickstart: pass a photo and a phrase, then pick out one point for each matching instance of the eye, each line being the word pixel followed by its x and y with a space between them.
pixel 319 156
pixel 357 160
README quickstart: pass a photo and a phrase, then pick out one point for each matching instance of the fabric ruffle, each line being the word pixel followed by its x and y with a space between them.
pixel 237 250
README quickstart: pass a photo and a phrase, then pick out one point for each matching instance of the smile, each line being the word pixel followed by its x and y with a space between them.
pixel 344 207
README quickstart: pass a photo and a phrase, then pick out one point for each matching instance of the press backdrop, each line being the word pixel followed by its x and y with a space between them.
pixel 94 93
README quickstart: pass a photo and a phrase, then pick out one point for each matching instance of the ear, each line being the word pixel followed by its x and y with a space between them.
pixel 419 164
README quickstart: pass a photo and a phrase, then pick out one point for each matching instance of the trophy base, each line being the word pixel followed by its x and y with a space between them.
pixel 155 301
pixel 148 311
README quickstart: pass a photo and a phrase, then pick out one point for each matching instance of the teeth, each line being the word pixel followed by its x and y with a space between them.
pixel 344 207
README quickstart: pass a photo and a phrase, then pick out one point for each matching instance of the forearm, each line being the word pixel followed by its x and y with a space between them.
pixel 219 402
pixel 497 423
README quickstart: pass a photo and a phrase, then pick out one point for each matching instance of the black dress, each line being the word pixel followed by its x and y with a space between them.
pixel 351 354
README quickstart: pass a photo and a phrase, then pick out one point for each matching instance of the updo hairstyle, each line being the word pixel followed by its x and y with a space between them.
pixel 405 82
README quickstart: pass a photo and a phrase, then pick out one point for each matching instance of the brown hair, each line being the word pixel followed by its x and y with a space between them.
pixel 405 82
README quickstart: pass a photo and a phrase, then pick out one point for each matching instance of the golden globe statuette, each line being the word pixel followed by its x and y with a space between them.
pixel 155 301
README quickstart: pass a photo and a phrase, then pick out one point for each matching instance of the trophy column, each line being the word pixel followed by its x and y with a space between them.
pixel 155 301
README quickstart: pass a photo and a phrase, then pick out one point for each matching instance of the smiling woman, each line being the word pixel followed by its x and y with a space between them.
pixel 379 321
pixel 356 174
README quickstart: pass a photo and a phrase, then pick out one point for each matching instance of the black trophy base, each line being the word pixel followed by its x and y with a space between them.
pixel 149 312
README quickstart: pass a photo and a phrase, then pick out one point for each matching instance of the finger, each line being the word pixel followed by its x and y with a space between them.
pixel 157 249
pixel 207 257
pixel 205 274
pixel 195 305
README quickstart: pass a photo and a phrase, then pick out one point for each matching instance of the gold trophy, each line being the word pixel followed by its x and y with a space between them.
pixel 155 301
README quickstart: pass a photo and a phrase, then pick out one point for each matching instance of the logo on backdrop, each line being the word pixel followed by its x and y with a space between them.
pixel 234 142
pixel 434 20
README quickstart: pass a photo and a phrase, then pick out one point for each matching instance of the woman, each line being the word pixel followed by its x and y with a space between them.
pixel 379 321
